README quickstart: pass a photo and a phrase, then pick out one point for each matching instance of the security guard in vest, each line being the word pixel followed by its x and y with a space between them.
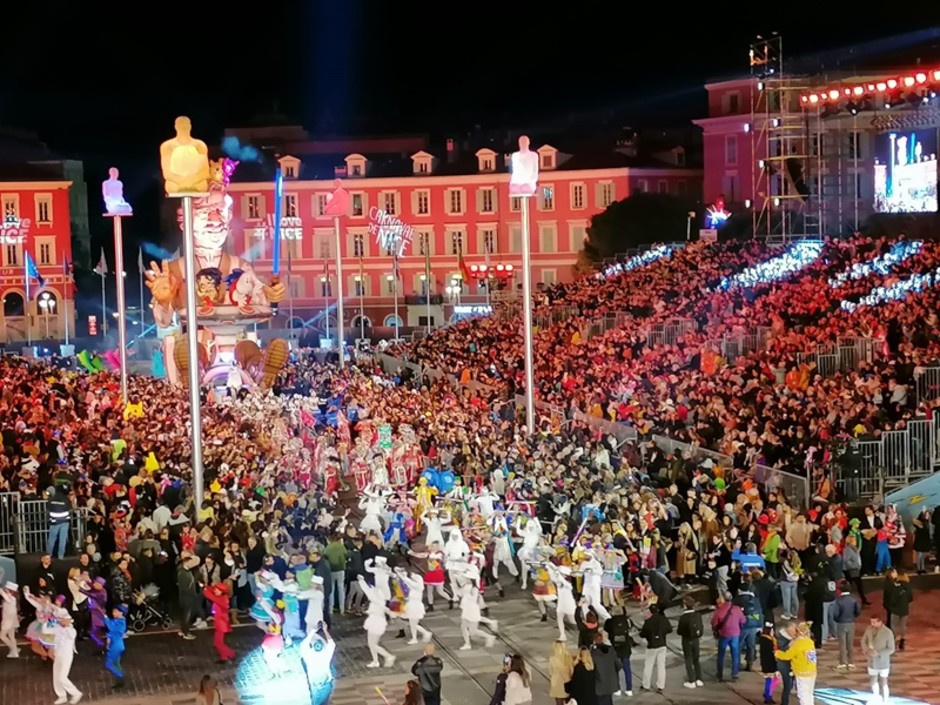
pixel 60 515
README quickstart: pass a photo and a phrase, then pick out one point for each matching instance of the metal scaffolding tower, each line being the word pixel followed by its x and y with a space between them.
pixel 778 146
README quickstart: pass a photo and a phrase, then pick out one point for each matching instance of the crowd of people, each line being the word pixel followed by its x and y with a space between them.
pixel 464 502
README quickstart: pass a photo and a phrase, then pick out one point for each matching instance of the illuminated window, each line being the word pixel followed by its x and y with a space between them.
pixel 11 207
pixel 254 208
pixel 547 198
pixel 456 243
pixel 290 205
pixel 359 286
pixel 390 202
pixel 325 288
pixel 358 207
pixel 358 245
pixel 45 253
pixel 44 208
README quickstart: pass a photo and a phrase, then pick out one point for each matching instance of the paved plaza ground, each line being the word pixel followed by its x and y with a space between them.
pixel 163 669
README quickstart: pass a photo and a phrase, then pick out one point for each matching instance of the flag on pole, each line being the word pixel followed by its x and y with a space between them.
pixel 427 261
pixel 462 266
pixel 140 260
pixel 67 273
pixel 102 267
pixel 32 272
pixel 326 274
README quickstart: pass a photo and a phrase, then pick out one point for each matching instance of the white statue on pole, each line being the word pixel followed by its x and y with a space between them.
pixel 113 192
pixel 524 176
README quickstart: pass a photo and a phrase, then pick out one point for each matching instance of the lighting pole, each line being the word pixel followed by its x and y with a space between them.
pixel 116 208
pixel 340 321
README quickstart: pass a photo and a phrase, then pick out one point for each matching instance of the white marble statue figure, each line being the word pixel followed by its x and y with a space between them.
pixel 112 191
pixel 414 605
pixel 376 624
pixel 524 178
pixel 528 552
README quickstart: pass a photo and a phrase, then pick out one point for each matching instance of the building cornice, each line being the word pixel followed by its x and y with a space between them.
pixel 33 185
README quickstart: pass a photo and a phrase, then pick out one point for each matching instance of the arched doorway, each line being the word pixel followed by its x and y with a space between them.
pixel 13 305
pixel 392 321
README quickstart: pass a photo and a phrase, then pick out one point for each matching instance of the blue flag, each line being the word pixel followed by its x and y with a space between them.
pixel 32 271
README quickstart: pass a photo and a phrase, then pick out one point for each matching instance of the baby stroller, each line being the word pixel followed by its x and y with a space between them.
pixel 145 609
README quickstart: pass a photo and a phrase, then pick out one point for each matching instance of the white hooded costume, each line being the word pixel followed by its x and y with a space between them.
pixel 565 605
pixel 528 552
pixel 376 624
pixel 414 605
pixel 593 570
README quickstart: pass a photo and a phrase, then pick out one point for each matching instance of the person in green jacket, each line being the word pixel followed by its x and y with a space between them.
pixel 335 555
pixel 772 552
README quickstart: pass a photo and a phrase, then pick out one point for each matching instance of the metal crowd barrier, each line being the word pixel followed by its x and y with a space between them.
pixel 696 452
pixel 927 383
pixel 735 346
pixel 794 487
pixel 24 525
pixel 849 353
pixel 8 504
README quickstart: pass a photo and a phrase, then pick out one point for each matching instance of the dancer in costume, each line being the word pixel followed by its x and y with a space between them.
pixel 264 611
pixel 97 608
pixel 116 626
pixel 64 647
pixel 316 655
pixel 592 571
pixel 471 616
pixel 565 605
pixel 218 595
pixel 434 575
pixel 272 646
pixel 456 555
pixel 436 522
pixel 40 632
pixel 10 617
pixel 382 576
pixel 373 505
pixel 503 548
pixel 376 624
pixel 414 605
pixel 530 534
pixel 424 496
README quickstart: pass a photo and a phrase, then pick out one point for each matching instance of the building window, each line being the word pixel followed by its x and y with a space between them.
pixel 855 145
pixel 515 238
pixel 324 244
pixel 548 161
pixel 358 207
pixel 547 198
pixel 290 205
pixel 515 204
pixel 296 287
pixel 356 170
pixel 734 104
pixel 577 196
pixel 390 202
pixel 44 208
pixel 359 286
pixel 578 236
pixel 45 253
pixel 13 255
pixel 663 186
pixel 641 186
pixel 11 207
pixel 548 277
pixel 489 242
pixel 455 202
pixel 731 149
pixel 422 166
pixel 487 200
pixel 607 194
pixel 424 244
pixel 322 200
pixel 456 242
pixel 254 208
pixel 486 164
pixel 290 172
pixel 390 285
pixel 730 187
pixel 359 249
pixel 547 239
pixel 325 289
pixel 422 203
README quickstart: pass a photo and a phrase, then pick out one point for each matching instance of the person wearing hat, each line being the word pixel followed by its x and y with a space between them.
pixel 64 646
pixel 10 617
pixel 116 625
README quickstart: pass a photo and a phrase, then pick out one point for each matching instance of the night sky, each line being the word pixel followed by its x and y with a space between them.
pixel 102 81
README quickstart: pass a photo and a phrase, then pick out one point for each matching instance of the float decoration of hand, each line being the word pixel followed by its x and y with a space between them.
pixel 161 282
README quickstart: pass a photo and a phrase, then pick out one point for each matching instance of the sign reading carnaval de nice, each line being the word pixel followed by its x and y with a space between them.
pixel 390 232
pixel 291 228
pixel 14 231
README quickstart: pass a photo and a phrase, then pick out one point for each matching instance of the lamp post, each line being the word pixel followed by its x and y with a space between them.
pixel 394 282
pixel 47 308
pixel 688 226
pixel 116 208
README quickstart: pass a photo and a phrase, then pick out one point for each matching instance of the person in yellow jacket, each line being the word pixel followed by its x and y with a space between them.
pixel 802 657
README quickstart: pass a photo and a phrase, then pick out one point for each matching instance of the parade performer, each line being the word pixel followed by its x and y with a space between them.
pixel 97 608
pixel 271 648
pixel 424 496
pixel 485 503
pixel 592 570
pixel 456 555
pixel 116 626
pixel 264 611
pixel 10 617
pixel 218 595
pixel 471 616
pixel 436 521
pixel 544 590
pixel 64 646
pixel 376 624
pixel 382 576
pixel 434 575
pixel 373 505
pixel 398 519
pixel 315 599
pixel 414 604
pixel 528 553
pixel 40 632
pixel 503 549
pixel 316 655
pixel 565 605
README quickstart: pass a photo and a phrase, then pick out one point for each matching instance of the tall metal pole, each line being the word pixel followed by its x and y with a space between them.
pixel 395 290
pixel 340 321
pixel 104 307
pixel 527 320
pixel 192 341
pixel 65 305
pixel 140 276
pixel 121 307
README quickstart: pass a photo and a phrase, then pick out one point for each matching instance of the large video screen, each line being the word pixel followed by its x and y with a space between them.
pixel 906 172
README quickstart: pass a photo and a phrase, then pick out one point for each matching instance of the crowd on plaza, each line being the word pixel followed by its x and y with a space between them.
pixel 463 496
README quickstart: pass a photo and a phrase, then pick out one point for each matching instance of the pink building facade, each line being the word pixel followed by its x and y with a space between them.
pixel 457 209
pixel 730 151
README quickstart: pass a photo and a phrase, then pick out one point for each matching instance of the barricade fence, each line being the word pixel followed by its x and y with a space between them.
pixel 795 488
pixel 927 383
pixel 24 525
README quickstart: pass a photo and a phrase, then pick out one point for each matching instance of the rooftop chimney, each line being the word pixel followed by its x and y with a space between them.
pixel 451 151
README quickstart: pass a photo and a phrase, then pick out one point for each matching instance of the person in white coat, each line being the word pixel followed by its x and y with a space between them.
pixel 470 616
pixel 373 505
pixel 376 624
pixel 531 533
pixel 383 575
pixel 593 570
pixel 435 522
pixel 414 604
pixel 456 556
pixel 502 548
pixel 62 664
pixel 10 617
pixel 565 605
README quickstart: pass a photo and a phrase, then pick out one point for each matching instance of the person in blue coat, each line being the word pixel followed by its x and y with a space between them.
pixel 116 626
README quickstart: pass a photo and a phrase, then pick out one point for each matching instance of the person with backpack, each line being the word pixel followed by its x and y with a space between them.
pixel 618 631
pixel 754 619
pixel 690 630
pixel 727 622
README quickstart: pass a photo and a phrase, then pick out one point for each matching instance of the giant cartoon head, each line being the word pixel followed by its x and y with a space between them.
pixel 212 215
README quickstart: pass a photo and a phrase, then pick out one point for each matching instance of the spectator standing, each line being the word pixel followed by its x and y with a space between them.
pixel 878 645
pixel 802 657
pixel 922 543
pixel 208 693
pixel 582 687
pixel 560 668
pixel 427 670
pixel 336 555
pixel 727 622
pixel 518 691
pixel 852 566
pixel 59 511
pixel 690 630
pixel 606 670
pixel 655 630
pixel 790 571
pixel 897 604
pixel 618 631
pixel 844 611
pixel 754 620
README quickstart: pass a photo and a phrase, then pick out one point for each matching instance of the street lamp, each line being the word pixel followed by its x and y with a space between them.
pixel 390 278
pixel 47 307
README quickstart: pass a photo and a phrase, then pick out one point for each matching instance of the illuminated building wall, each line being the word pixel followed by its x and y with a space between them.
pixel 35 218
pixel 455 204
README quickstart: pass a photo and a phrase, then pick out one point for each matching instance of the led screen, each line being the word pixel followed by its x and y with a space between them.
pixel 906 172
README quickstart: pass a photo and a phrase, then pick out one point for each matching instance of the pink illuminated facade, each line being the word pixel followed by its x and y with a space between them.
pixel 453 206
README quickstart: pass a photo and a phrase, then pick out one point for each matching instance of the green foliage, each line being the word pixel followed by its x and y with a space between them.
pixel 641 219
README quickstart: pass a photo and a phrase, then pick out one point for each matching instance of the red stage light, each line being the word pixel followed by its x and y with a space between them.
pixel 936 75
pixel 473 268
pixel 499 268
pixel 804 99
pixel 508 267
pixel 871 87
pixel 814 98
pixel 483 268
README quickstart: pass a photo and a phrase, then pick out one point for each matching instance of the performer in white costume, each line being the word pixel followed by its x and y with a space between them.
pixel 9 618
pixel 383 574
pixel 436 521
pixel 502 547
pixel 373 504
pixel 434 575
pixel 456 555
pixel 565 604
pixel 414 605
pixel 528 553
pixel 593 570
pixel 470 617
pixel 316 653
pixel 484 502
pixel 62 664
pixel 376 624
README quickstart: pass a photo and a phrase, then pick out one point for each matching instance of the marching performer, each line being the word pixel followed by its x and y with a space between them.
pixel 376 624
pixel 382 576
pixel 436 521
pixel 272 646
pixel 434 575
pixel 528 554
pixel 456 555
pixel 503 549
pixel 544 590
pixel 64 646
pixel 10 618
pixel 373 504
pixel 565 605
pixel 471 616
pixel 592 570
pixel 414 604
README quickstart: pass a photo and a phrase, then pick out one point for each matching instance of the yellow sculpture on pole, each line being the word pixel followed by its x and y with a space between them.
pixel 185 161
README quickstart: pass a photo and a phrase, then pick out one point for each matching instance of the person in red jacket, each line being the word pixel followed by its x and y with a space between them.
pixel 218 595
